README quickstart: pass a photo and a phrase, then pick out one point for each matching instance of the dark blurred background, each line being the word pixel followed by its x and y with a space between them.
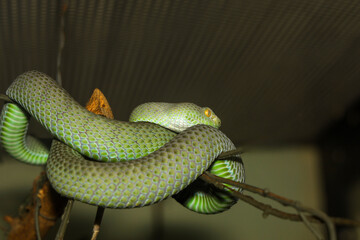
pixel 283 76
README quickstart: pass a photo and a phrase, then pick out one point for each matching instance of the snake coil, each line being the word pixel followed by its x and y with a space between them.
pixel 138 163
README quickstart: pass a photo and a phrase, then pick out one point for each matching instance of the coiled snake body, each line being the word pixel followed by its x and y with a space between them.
pixel 139 163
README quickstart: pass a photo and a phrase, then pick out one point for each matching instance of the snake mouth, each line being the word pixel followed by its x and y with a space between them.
pixel 216 121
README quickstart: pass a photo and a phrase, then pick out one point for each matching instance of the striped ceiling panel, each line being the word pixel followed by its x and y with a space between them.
pixel 273 71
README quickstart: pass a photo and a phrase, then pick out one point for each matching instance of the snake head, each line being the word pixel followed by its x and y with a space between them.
pixel 175 116
pixel 215 120
pixel 184 115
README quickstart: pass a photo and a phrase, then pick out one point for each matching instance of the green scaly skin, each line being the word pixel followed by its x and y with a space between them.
pixel 198 197
pixel 13 127
pixel 165 162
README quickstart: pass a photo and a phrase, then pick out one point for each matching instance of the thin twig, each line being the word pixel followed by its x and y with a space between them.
pixel 329 221
pixel 230 153
pixel 64 220
pixel 345 222
pixel 97 223
pixel 61 41
pixel 265 193
pixel 309 225
pixel 267 209
pixel 66 215
pixel 37 225
pixel 5 98
pixel 37 208
pixel 98 104
pixel 316 215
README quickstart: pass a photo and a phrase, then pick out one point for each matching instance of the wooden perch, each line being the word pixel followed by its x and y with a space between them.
pixel 52 204
pixel 99 105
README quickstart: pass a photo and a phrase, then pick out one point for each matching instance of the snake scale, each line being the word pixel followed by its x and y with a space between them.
pixel 137 163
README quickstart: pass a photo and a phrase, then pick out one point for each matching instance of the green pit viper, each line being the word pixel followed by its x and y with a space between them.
pixel 138 163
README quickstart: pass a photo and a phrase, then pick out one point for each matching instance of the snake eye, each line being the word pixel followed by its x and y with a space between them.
pixel 207 112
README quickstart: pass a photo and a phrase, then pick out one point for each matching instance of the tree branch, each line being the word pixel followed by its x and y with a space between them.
pixel 64 220
pixel 5 98
pixel 52 204
pixel 231 153
pixel 99 105
pixel 315 216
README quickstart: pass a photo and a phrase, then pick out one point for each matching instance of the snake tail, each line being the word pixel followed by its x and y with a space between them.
pixel 13 128
pixel 205 198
